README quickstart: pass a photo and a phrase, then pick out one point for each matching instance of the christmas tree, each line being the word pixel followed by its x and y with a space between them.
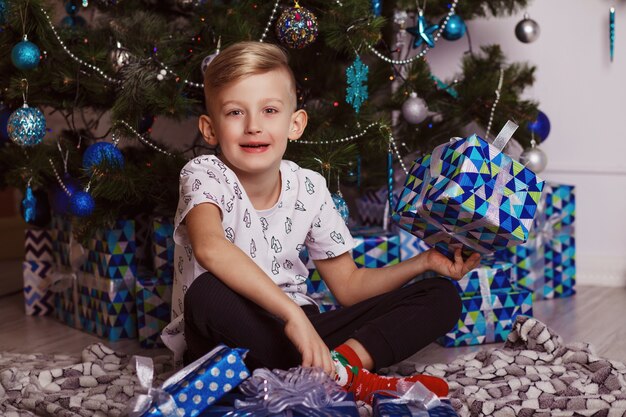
pixel 361 68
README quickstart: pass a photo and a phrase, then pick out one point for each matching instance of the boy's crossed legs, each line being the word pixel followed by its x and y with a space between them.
pixel 372 334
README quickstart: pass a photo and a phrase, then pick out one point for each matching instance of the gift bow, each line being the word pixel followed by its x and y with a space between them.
pixel 308 391
pixel 414 395
pixel 158 397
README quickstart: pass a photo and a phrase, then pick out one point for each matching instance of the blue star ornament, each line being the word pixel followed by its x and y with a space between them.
pixel 423 32
pixel 356 92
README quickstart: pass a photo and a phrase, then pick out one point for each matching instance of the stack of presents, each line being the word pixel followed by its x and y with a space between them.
pixel 466 194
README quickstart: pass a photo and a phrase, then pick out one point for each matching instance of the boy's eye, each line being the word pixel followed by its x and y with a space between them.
pixel 234 113
pixel 271 110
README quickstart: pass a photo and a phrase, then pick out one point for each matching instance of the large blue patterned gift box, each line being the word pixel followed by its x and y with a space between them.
pixel 60 234
pixel 546 264
pixel 371 207
pixel 153 297
pixel 106 306
pixel 495 275
pixel 112 253
pixel 411 245
pixel 163 246
pixel 198 386
pixel 468 194
pixel 488 317
pixel 37 268
pixel 373 248
pixel 386 406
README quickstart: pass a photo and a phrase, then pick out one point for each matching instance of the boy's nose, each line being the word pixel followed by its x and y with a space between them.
pixel 252 126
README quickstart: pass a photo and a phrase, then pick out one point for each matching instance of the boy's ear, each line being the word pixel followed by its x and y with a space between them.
pixel 205 124
pixel 298 123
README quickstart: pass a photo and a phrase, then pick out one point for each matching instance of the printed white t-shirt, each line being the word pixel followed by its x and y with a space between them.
pixel 304 216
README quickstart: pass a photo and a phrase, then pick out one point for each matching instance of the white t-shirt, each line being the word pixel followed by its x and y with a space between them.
pixel 304 216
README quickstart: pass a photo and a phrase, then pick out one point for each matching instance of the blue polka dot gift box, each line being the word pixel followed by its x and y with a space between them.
pixel 467 194
pixel 191 390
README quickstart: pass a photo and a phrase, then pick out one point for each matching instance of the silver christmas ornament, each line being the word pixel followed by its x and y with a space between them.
pixel 119 57
pixel 527 30
pixel 185 4
pixel 534 159
pixel 414 109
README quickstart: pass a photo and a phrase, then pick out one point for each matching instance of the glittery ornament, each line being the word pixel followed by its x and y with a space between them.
pixel 82 204
pixel 356 92
pixel 60 199
pixel 341 206
pixel 119 57
pixel 377 7
pixel 25 55
pixel 414 109
pixel 423 32
pixel 527 30
pixel 454 29
pixel 540 127
pixel 27 126
pixel 102 153
pixel 534 159
pixel 296 27
pixel 35 208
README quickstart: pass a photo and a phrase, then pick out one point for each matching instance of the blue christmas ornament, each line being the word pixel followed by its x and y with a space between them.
pixel 356 92
pixel 60 199
pixel 35 208
pixel 5 113
pixel 341 206
pixel 102 152
pixel 423 32
pixel 29 204
pixel 377 7
pixel 27 126
pixel 25 55
pixel 454 29
pixel 82 204
pixel 73 21
pixel 72 6
pixel 540 127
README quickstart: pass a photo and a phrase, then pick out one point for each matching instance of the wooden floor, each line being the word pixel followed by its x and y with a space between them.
pixel 595 315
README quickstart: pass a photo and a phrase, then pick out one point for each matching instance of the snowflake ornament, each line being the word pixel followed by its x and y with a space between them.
pixel 356 92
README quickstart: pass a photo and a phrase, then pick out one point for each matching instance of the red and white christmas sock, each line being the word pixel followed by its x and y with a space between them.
pixel 353 378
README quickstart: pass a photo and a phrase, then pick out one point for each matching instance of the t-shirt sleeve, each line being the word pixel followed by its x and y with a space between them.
pixel 329 236
pixel 200 183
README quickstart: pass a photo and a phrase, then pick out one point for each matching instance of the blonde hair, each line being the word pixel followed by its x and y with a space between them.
pixel 241 60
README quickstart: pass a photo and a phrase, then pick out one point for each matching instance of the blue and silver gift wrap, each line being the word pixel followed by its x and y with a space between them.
pixel 194 388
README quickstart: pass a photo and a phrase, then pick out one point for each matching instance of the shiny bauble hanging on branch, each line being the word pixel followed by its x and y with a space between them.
pixel 527 30
pixel 102 153
pixel 60 199
pixel 119 57
pixel 35 208
pixel 454 29
pixel 82 204
pixel 27 126
pixel 25 55
pixel 414 109
pixel 72 7
pixel 534 159
pixel 296 27
pixel 540 127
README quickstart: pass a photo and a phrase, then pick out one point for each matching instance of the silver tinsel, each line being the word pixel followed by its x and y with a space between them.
pixel 414 109
pixel 527 30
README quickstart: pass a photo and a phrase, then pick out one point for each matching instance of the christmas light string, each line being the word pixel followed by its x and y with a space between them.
pixel 495 103
pixel 140 137
pixel 269 22
pixel 424 51
pixel 58 177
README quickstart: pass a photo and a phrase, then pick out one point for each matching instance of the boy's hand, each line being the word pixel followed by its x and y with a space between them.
pixel 305 338
pixel 456 269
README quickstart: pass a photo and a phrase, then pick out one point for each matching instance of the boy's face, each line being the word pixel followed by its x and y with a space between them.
pixel 252 119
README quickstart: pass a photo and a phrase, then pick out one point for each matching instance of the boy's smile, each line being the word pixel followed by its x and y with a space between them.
pixel 251 119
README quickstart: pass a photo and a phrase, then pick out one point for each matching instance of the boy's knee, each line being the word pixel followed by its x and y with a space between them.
pixel 202 294
pixel 449 300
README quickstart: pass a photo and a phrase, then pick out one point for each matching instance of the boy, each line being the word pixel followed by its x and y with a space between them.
pixel 242 219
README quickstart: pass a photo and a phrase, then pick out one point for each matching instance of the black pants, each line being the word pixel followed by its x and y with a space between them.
pixel 391 326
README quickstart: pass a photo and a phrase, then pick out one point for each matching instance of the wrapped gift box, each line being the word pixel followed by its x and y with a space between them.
pixel 374 248
pixel 112 253
pixel 38 245
pixel 38 299
pixel 153 298
pixel 371 207
pixel 488 318
pixel 60 234
pixel 106 306
pixel 163 246
pixel 546 264
pixel 469 194
pixel 384 407
pixel 411 245
pixel 203 382
pixel 496 275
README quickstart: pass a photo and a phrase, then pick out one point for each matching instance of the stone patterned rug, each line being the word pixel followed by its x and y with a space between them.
pixel 534 374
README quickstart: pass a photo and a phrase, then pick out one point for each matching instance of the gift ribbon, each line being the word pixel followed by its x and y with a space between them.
pixel 417 398
pixel 423 210
pixel 486 306
pixel 306 391
pixel 159 397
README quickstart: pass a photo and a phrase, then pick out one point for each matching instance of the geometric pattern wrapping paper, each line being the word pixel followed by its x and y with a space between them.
pixel 488 319
pixel 38 299
pixel 468 194
pixel 153 297
pixel 112 252
pixel 410 245
pixel 106 307
pixel 375 249
pixel 384 407
pixel 60 233
pixel 371 207
pixel 497 274
pixel 546 264
pixel 38 245
pixel 163 246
